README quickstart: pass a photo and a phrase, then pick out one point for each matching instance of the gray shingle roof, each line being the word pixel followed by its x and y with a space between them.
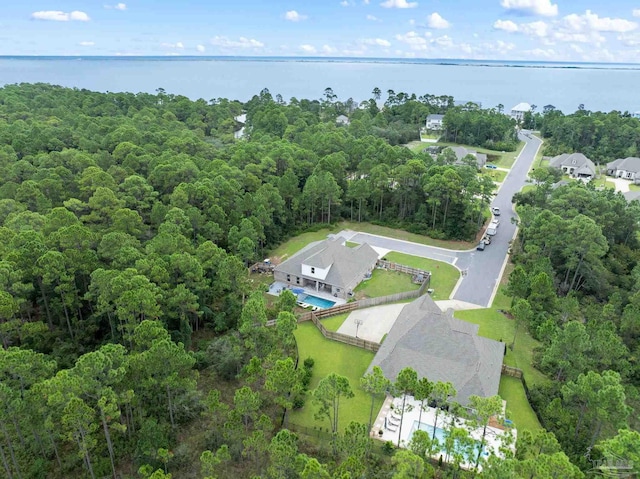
pixel 576 160
pixel 441 348
pixel 435 116
pixel 347 264
pixel 631 163
pixel 631 195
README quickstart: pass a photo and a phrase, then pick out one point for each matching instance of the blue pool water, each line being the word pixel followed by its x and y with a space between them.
pixel 440 436
pixel 315 301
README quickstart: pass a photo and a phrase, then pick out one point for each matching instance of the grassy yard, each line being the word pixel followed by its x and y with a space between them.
pixel 603 182
pixel 497 326
pixel 331 356
pixel 296 243
pixel 496 175
pixel 383 283
pixel 518 408
pixel 633 187
pixel 334 322
pixel 443 276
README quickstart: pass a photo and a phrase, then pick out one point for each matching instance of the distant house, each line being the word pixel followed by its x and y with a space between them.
pixel 627 168
pixel 575 165
pixel 328 266
pixel 466 104
pixel 518 111
pixel 434 122
pixel 441 348
pixel 342 120
pixel 636 114
pixel 461 152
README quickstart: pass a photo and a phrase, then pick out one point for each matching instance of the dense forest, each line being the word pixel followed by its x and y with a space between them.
pixel 133 344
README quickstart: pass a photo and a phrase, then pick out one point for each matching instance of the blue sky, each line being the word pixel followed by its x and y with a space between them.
pixel 562 30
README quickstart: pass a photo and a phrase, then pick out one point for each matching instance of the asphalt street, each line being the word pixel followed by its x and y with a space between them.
pixel 481 270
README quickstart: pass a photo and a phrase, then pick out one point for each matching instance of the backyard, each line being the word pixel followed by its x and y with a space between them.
pixel 443 275
pixel 383 283
pixel 333 357
pixel 503 159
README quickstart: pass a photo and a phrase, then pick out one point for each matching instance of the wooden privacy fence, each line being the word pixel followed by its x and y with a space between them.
pixel 344 338
pixel 511 371
pixel 403 268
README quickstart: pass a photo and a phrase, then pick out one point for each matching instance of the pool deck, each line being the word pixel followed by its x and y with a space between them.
pixel 388 423
pixel 277 287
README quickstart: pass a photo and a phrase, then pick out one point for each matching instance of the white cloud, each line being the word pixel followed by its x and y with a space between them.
pixel 306 48
pixel 346 3
pixel 414 40
pixel 531 7
pixel 86 44
pixel 372 18
pixel 294 16
pixel 327 49
pixel 636 12
pixel 177 46
pixel 436 21
pixel 117 6
pixel 630 40
pixel 535 29
pixel 398 4
pixel 505 25
pixel 242 42
pixel 365 2
pixel 543 53
pixel 592 22
pixel 379 42
pixel 201 48
pixel 59 16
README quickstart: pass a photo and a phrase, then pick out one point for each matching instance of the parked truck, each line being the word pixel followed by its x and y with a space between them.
pixel 493 227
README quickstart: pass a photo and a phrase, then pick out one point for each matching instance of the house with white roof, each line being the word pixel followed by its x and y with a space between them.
pixel 434 122
pixel 328 266
pixel 627 168
pixel 518 111
pixel 575 165
pixel 342 120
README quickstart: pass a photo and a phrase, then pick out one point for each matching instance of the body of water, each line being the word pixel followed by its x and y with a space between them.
pixel 602 87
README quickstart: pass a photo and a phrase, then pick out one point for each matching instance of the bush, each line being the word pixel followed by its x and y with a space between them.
pixel 309 363
pixel 388 448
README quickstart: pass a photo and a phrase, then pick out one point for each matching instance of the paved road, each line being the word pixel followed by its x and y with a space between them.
pixel 482 269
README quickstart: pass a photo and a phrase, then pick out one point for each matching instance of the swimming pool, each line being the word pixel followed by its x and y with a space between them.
pixel 440 436
pixel 315 301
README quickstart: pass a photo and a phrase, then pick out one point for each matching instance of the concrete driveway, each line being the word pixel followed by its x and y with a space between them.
pixel 481 270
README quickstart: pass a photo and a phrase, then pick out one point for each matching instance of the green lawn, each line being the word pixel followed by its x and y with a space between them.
pixel 331 356
pixel 334 322
pixel 603 182
pixel 633 187
pixel 443 276
pixel 496 175
pixel 518 408
pixel 383 283
pixel 497 326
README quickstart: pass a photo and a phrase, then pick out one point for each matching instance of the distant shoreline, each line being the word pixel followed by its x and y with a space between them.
pixel 399 61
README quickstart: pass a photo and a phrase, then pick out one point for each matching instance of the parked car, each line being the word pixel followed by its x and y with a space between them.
pixel 481 246
pixel 491 167
pixel 496 211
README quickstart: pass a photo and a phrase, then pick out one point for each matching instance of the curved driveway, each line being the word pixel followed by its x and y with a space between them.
pixel 482 270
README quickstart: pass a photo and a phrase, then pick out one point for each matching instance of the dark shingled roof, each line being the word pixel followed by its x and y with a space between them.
pixel 346 263
pixel 441 348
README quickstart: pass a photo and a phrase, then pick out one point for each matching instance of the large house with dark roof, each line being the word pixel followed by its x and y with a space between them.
pixel 441 348
pixel 328 266
pixel 575 165
pixel 627 168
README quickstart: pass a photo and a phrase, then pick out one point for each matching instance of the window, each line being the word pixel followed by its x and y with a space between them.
pixel 297 280
pixel 288 278
pixel 313 270
pixel 338 290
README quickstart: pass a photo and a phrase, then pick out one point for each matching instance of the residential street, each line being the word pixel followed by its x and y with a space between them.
pixel 481 269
